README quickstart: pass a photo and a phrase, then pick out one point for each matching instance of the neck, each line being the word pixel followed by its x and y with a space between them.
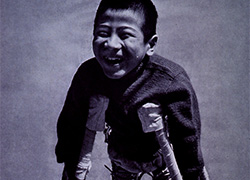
pixel 118 86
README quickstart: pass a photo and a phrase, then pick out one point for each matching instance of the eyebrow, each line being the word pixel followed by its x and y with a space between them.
pixel 103 26
pixel 127 27
pixel 119 28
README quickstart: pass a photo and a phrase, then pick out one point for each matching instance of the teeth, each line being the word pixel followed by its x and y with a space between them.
pixel 113 59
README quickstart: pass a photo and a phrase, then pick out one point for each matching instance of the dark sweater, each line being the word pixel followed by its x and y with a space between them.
pixel 156 79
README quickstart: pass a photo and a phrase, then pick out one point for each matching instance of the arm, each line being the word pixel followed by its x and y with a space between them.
pixel 151 119
pixel 71 123
pixel 95 122
pixel 181 106
pixel 84 162
pixel 178 102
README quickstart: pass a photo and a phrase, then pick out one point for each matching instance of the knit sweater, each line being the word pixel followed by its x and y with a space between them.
pixel 156 79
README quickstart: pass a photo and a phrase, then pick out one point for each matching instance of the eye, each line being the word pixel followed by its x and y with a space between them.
pixel 126 35
pixel 102 33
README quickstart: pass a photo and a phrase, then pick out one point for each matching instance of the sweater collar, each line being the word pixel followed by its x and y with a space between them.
pixel 116 87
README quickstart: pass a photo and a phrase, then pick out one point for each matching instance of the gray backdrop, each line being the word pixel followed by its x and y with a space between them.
pixel 43 43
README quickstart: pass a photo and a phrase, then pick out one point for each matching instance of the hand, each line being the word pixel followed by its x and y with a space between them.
pixel 83 167
pixel 151 118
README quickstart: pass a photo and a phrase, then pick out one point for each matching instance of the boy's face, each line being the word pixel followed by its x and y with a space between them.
pixel 118 42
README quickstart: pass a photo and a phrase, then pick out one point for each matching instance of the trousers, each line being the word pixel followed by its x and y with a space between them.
pixel 118 173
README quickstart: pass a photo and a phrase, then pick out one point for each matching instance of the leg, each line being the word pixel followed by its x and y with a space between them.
pixel 161 174
pixel 119 173
pixel 68 172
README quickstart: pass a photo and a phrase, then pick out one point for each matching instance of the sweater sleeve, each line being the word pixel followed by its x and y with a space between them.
pixel 167 83
pixel 182 109
pixel 71 122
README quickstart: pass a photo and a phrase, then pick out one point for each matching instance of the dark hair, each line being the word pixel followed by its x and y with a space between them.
pixel 146 7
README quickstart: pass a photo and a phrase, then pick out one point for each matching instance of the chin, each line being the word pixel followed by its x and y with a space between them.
pixel 114 76
pixel 117 75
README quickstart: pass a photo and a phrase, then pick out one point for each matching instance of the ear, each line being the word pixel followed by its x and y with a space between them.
pixel 151 45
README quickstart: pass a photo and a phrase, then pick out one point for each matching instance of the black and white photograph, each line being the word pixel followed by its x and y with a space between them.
pixel 124 90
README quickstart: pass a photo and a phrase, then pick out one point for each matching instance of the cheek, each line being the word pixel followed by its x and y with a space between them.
pixel 98 41
pixel 97 44
pixel 135 45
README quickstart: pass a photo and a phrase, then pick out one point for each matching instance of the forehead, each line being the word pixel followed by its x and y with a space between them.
pixel 122 16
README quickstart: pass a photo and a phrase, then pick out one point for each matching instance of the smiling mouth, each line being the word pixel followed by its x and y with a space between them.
pixel 113 60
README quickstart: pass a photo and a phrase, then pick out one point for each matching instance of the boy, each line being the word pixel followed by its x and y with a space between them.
pixel 117 87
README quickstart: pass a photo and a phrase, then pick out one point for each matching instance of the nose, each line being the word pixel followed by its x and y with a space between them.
pixel 114 42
